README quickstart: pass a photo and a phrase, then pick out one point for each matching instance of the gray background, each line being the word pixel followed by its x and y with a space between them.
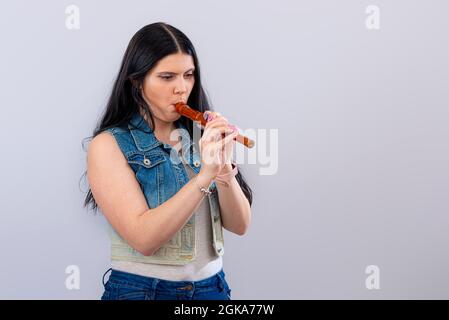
pixel 363 141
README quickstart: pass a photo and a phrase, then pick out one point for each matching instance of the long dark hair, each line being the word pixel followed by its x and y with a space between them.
pixel 149 45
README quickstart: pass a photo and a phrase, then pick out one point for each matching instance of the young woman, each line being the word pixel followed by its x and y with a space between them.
pixel 166 196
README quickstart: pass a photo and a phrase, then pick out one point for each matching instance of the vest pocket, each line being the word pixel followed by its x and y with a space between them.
pixel 151 173
pixel 148 160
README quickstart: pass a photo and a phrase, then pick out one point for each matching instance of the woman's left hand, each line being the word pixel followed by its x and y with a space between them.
pixel 227 150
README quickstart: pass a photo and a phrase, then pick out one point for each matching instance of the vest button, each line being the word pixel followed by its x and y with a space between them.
pixel 196 163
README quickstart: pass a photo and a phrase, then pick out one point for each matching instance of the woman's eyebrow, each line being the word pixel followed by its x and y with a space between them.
pixel 169 72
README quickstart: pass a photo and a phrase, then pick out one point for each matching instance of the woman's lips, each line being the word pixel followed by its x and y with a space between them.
pixel 174 105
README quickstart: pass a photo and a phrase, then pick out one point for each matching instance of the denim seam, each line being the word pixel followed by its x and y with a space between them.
pixel 153 289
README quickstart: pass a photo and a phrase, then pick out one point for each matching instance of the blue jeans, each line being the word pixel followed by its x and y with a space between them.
pixel 127 286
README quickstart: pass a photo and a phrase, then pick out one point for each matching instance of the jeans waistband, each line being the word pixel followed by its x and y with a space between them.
pixel 150 281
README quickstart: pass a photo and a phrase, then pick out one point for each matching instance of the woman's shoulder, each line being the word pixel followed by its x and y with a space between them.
pixel 103 137
pixel 115 140
pixel 103 144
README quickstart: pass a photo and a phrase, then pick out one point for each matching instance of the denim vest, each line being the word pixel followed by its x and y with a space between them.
pixel 161 174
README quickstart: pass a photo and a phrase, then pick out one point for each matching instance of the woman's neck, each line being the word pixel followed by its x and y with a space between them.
pixel 163 130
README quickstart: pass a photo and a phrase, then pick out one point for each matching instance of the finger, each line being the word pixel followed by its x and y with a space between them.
pixel 228 151
pixel 214 133
pixel 216 120
pixel 221 125
pixel 219 145
pixel 228 147
pixel 219 128
pixel 224 141
pixel 218 116
pixel 211 115
pixel 214 123
pixel 229 139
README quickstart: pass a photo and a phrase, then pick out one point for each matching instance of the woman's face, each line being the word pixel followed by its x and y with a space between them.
pixel 171 80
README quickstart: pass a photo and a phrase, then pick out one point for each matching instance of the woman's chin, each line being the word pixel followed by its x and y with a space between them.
pixel 171 114
pixel 174 116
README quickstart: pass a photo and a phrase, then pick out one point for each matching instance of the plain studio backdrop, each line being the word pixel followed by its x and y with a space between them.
pixel 359 164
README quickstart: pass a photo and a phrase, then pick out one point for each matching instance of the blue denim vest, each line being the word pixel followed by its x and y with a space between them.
pixel 161 174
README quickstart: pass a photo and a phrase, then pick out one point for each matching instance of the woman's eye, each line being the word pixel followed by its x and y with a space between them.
pixel 169 77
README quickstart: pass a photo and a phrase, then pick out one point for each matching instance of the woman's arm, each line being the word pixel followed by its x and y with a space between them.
pixel 234 206
pixel 119 197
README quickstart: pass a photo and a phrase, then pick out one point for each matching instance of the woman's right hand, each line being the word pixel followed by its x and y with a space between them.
pixel 212 144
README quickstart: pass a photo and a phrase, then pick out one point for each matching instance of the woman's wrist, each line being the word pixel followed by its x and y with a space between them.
pixel 204 180
pixel 226 178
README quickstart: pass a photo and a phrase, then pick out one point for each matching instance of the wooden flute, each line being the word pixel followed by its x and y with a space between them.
pixel 198 116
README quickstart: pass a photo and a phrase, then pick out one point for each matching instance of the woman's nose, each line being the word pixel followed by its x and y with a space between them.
pixel 181 87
